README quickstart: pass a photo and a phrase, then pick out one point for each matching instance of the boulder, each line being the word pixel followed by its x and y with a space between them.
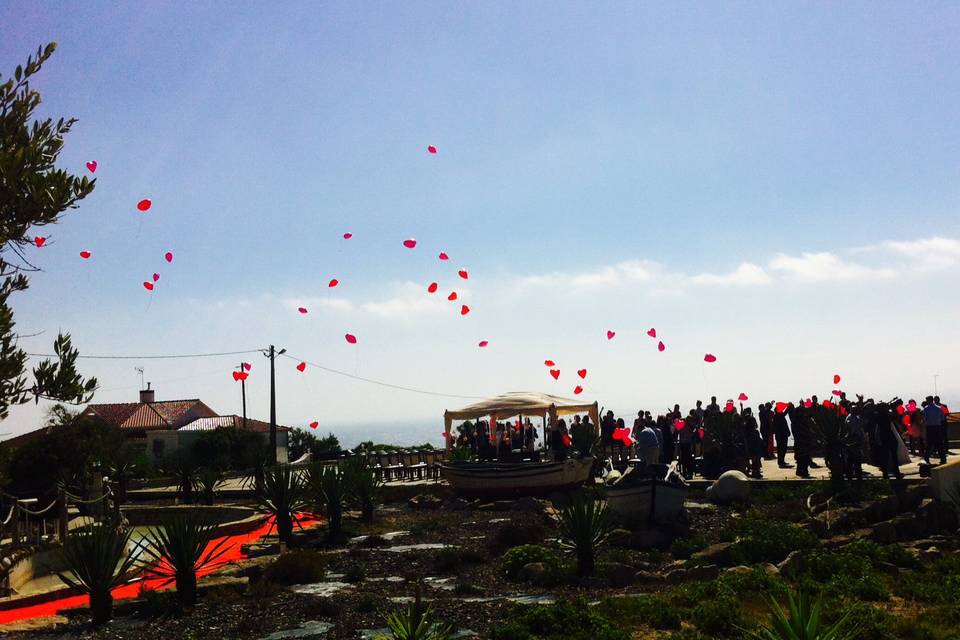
pixel 884 532
pixel 791 564
pixel 703 572
pixel 425 501
pixel 719 553
pixel 927 556
pixel 534 572
pixel 646 577
pixel 648 538
pixel 737 570
pixel 458 504
pixel 770 568
pixel 910 527
pixel 675 576
pixel 616 573
pixel 730 487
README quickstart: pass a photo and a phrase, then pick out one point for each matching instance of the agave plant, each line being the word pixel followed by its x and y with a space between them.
pixel 98 560
pixel 185 472
pixel 416 623
pixel 330 489
pixel 803 622
pixel 283 494
pixel 182 545
pixel 121 472
pixel 832 434
pixel 208 479
pixel 584 530
pixel 363 485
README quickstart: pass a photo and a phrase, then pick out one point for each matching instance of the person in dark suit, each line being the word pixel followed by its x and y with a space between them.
pixel 782 432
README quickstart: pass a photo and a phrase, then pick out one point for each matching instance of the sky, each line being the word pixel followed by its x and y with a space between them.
pixel 773 183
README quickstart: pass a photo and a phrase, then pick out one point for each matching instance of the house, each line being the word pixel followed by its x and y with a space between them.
pixel 164 427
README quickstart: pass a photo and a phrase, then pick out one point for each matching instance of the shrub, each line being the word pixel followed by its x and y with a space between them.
pixel 514 534
pixel 801 620
pixel 453 559
pixel 584 530
pixel 355 573
pixel 842 573
pixel 564 620
pixel 652 610
pixel 871 623
pixel 363 486
pixel 756 540
pixel 938 583
pixel 416 623
pixel 517 558
pixel 178 548
pixel 97 559
pixel 297 567
pixel 683 548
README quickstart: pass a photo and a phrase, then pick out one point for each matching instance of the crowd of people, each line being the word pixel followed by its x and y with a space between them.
pixel 708 439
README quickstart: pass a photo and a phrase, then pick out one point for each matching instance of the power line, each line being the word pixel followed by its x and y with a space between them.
pixel 154 357
pixel 381 383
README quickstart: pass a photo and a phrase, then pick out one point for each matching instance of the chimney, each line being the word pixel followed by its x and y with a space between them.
pixel 146 395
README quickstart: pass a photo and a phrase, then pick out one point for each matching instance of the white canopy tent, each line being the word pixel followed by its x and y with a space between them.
pixel 526 403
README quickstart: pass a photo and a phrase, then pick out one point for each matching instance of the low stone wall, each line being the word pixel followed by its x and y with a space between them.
pixel 140 515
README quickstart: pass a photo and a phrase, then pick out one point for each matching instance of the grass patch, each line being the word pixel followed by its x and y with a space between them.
pixel 757 540
pixel 683 548
pixel 566 620
pixel 654 611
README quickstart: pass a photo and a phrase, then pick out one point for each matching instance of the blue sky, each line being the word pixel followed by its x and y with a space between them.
pixel 733 174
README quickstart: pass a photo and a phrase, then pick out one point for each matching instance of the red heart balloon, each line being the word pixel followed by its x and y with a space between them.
pixel 242 375
pixel 410 243
pixel 85 254
pixel 463 274
pixel 148 285
pixel 836 392
pixel 549 363
pixel 156 277
pixel 836 379
pixel 781 407
pixel 39 240
pixel 577 390
pixel 347 235
pixel 742 397
pixel 464 310
pixel 661 347
pixel 444 256
pixel 679 424
pixel 334 282
pixel 236 376
pixel 314 424
pixel 431 149
pixel 709 358
pixel 352 339
pixel 808 403
pixel 652 333
pixel 302 367
pixel 555 373
pixel 432 288
pixel 729 408
pixel 168 256
pixel 452 296
pixel 582 373
pixel 92 166
pixel 610 335
pixel 302 309
pixel 483 343
pixel 144 204
pixel 566 440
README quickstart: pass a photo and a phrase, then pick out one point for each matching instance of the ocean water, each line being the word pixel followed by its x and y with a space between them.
pixel 405 433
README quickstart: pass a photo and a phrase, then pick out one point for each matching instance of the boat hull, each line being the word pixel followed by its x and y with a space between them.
pixel 647 501
pixel 515 479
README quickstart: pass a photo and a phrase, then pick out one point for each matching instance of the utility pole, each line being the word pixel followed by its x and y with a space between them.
pixel 243 392
pixel 273 407
pixel 935 392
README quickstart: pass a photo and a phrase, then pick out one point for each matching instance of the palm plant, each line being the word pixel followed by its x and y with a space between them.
pixel 803 622
pixel 330 489
pixel 208 479
pixel 416 623
pixel 363 485
pixel 121 472
pixel 185 472
pixel 182 545
pixel 584 530
pixel 584 437
pixel 283 494
pixel 832 434
pixel 98 560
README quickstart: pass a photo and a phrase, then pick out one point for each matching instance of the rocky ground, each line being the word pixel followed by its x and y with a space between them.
pixel 881 550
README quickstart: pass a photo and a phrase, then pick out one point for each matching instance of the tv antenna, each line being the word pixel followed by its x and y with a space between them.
pixel 140 371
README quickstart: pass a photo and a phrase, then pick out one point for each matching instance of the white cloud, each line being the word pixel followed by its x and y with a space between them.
pixel 603 277
pixel 746 275
pixel 927 254
pixel 824 266
pixel 333 304
pixel 412 299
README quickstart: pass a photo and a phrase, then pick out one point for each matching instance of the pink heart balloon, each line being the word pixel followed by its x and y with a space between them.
pixel 168 256
pixel 302 309
pixel 92 166
pixel 483 343
pixel 652 333
pixel 709 358
pixel 610 335
pixel 444 256
pixel 431 149
pixel 410 243
pixel 742 397
pixel 661 347
pixel 347 235
pixel 156 277
pixel 352 339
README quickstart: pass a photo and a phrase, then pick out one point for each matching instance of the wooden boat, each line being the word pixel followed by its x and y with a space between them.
pixel 515 478
pixel 655 495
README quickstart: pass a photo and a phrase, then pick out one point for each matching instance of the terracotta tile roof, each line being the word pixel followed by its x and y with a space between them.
pixel 145 415
pixel 208 424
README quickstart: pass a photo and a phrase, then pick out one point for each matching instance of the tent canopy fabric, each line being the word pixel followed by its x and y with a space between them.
pixel 520 402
